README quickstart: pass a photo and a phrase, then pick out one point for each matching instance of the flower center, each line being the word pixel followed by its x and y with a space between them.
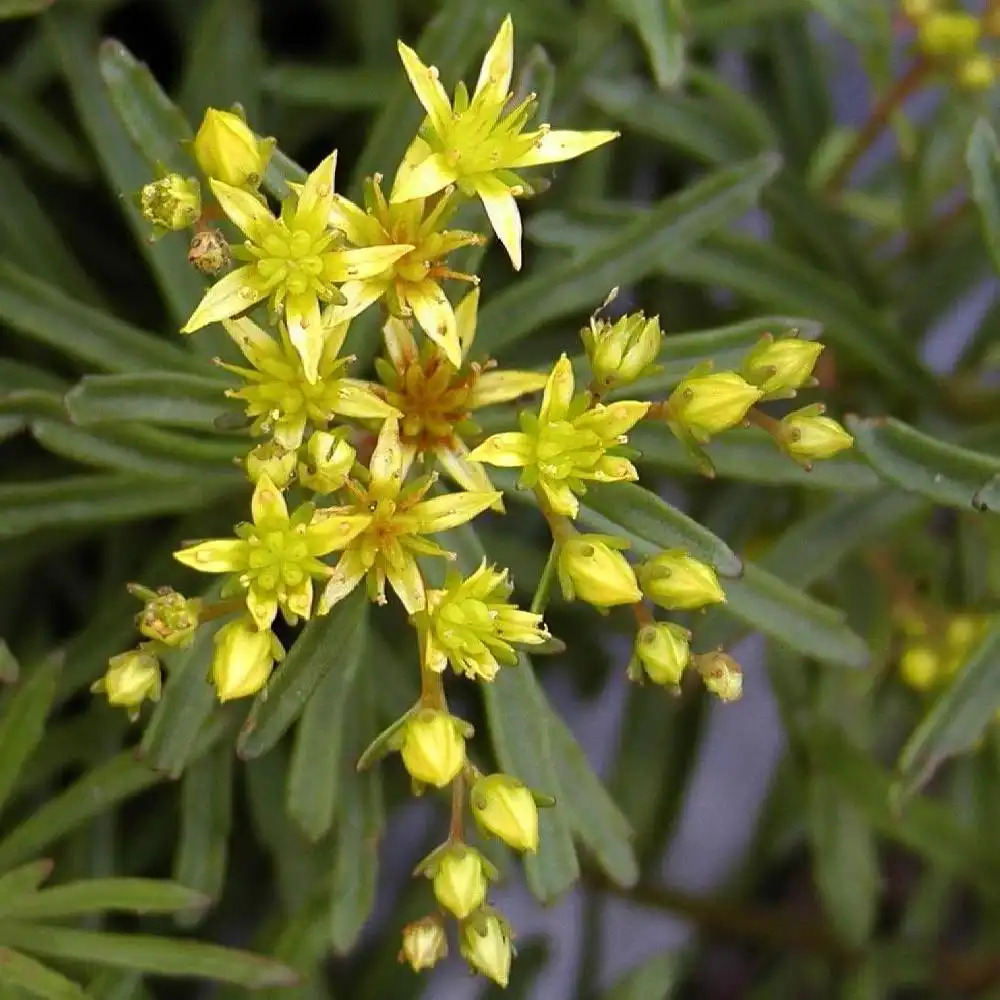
pixel 277 558
pixel 562 450
pixel 292 259
pixel 433 401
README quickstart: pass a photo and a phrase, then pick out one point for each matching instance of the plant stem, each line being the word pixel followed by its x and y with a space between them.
pixel 544 588
pixel 210 612
pixel 456 827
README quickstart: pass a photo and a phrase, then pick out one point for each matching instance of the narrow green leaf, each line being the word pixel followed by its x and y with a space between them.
pixel 658 978
pixel 666 232
pixel 26 878
pixel 41 135
pixel 319 649
pixel 170 399
pixel 659 24
pixel 98 790
pixel 982 155
pixel 125 895
pixel 159 956
pixel 42 312
pixel 206 820
pixel 22 724
pixel 10 669
pixel 334 87
pixel 959 716
pixel 17 971
pixel 314 776
pixel 945 473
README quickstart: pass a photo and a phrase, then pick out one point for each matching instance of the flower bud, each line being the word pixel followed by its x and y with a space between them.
pixel 424 944
pixel 590 569
pixel 461 880
pixel 209 251
pixel 663 651
pixel 130 679
pixel 805 435
pixel 244 659
pixel 917 10
pixel 484 940
pixel 327 462
pixel 167 617
pixel 721 674
pixel 778 367
pixel 622 351
pixel 171 203
pixel 978 72
pixel 506 807
pixel 433 747
pixel 271 460
pixel 679 582
pixel 920 666
pixel 704 405
pixel 948 33
pixel 227 149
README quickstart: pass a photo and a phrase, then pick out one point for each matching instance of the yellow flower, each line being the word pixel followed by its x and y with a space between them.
pixel 433 747
pixel 679 582
pixel 703 405
pixel 949 33
pixel 622 351
pixel 327 462
pixel 271 459
pixel 170 203
pixel 412 284
pixel 282 400
pixel 130 679
pixel 806 435
pixel 394 521
pixel 461 878
pixel 167 616
pixel 484 940
pixel 275 559
pixel 244 658
pixel 566 443
pixel 436 399
pixel 779 367
pixel 591 568
pixel 424 944
pixel 292 260
pixel 506 807
pixel 662 652
pixel 227 149
pixel 478 143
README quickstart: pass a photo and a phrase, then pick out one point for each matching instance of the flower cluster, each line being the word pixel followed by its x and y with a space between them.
pixel 346 471
pixel 933 643
pixel 956 41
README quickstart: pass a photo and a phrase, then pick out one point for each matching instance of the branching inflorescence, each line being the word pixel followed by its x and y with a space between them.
pixel 367 516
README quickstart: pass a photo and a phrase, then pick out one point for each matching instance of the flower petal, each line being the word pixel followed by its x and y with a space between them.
pixel 399 342
pixel 428 88
pixel 612 421
pixel 305 330
pixel 334 335
pixel 559 388
pixel 329 530
pixel 425 178
pixel 559 496
pixel 465 319
pixel 503 213
pixel 263 607
pixel 230 295
pixel 355 399
pixel 466 473
pixel 612 469
pixel 448 511
pixel 313 209
pixel 404 577
pixel 386 463
pixel 346 576
pixel 358 295
pixel 351 220
pixel 498 64
pixel 433 312
pixel 258 347
pixel 298 600
pixel 503 386
pixel 246 211
pixel 218 555
pixel 362 262
pixel 268 505
pixel 557 145
pixel 508 450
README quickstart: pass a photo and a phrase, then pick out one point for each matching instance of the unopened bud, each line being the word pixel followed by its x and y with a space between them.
pixel 679 582
pixel 590 569
pixel 171 203
pixel 131 679
pixel 978 72
pixel 721 674
pixel 917 10
pixel 663 651
pixel 622 351
pixel 805 435
pixel 271 460
pixel 948 33
pixel 209 251
pixel 461 879
pixel 244 658
pixel 779 367
pixel 167 616
pixel 484 940
pixel 506 807
pixel 227 149
pixel 920 666
pixel 326 462
pixel 424 944
pixel 433 747
pixel 704 405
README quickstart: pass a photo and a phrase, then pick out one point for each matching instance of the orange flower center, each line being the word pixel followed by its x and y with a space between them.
pixel 433 400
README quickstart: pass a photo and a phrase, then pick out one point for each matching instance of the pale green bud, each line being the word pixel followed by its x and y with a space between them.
pixel 433 747
pixel 271 460
pixel 326 463
pixel 244 658
pixel 131 679
pixel 461 880
pixel 663 651
pixel 484 940
pixel 778 367
pixel 424 944
pixel 506 807
pixel 978 72
pixel 171 203
pixel 806 436
pixel 704 405
pixel 949 33
pixel 227 149
pixel 591 570
pixel 678 582
pixel 721 674
pixel 167 616
pixel 209 251
pixel 622 351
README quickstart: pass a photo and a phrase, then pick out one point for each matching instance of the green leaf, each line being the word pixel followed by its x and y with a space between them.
pixel 319 648
pixel 942 472
pixel 659 25
pixel 170 399
pixel 22 724
pixel 98 790
pixel 22 8
pixel 26 878
pixel 340 88
pixel 41 135
pixel 160 956
pixel 959 716
pixel 19 971
pixel 10 669
pixel 45 314
pixel 629 254
pixel 314 776
pixel 982 155
pixel 125 895
pixel 658 978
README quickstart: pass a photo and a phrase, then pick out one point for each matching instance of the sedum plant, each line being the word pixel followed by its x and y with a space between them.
pixel 584 360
